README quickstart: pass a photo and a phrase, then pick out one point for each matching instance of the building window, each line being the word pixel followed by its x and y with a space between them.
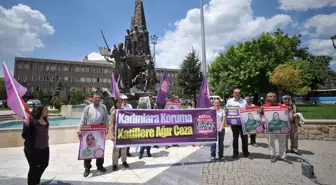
pixel 106 70
pixel 88 80
pixel 66 68
pixel 87 69
pixel 59 67
pixel 34 66
pixel 82 79
pixel 53 67
pixel 82 69
pixel 32 89
pixel 66 78
pixel 105 80
pixel 45 89
pixel 46 67
pixel 94 80
pixel 20 65
pixel 26 66
pixel 109 80
pixel 77 69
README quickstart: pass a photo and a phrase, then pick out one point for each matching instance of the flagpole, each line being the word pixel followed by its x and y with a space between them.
pixel 203 41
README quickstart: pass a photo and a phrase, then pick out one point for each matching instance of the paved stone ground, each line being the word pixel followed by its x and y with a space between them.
pixel 183 165
pixel 321 154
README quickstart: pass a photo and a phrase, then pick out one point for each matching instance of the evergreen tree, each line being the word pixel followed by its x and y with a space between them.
pixel 190 78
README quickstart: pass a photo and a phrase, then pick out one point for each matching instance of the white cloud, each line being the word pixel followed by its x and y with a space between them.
pixel 226 22
pixel 304 5
pixel 322 24
pixel 21 29
pixel 95 56
pixel 323 47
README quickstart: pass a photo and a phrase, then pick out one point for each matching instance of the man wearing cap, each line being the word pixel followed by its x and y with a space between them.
pixel 94 114
pixel 294 135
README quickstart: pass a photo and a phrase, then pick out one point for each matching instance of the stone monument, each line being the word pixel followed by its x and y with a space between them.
pixel 134 68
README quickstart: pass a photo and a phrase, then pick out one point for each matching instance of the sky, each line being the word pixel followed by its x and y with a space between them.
pixel 70 30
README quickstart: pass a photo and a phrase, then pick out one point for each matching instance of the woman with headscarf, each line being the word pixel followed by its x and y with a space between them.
pixel 276 123
pixel 36 146
pixel 251 123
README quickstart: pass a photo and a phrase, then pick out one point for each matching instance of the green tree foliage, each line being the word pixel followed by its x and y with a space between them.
pixel 190 78
pixel 76 95
pixel 250 64
pixel 3 92
pixel 39 95
pixel 55 100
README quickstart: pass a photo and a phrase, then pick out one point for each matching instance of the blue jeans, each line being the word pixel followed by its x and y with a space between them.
pixel 142 149
pixel 221 136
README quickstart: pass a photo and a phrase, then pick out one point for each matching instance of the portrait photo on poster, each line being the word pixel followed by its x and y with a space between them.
pixel 251 122
pixel 277 121
pixel 92 145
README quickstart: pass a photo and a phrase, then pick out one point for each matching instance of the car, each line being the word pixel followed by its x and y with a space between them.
pixel 32 102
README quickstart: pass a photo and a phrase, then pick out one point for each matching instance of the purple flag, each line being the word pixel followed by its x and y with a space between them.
pixel 14 93
pixel 115 89
pixel 204 95
pixel 163 90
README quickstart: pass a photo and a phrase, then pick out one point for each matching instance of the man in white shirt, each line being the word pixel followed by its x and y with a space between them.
pixel 237 129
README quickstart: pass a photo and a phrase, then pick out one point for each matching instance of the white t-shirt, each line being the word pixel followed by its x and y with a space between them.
pixel 241 103
pixel 127 106
pixel 220 114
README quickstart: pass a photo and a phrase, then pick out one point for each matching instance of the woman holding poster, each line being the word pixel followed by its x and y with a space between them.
pixel 123 151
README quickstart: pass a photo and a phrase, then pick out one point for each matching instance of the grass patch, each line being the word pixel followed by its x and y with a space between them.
pixel 54 111
pixel 318 111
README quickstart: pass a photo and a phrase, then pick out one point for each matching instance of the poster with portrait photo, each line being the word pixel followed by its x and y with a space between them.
pixel 277 120
pixel 251 121
pixel 173 105
pixel 92 142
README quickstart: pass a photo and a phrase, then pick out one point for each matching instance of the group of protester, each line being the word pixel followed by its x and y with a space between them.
pixel 237 129
pixel 36 145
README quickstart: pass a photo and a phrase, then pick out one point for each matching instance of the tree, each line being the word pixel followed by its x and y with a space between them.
pixel 190 78
pixel 39 95
pixel 286 78
pixel 3 92
pixel 55 100
pixel 76 96
pixel 248 65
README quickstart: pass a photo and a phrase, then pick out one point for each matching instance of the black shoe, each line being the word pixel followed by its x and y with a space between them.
pixel 125 164
pixel 176 145
pixel 273 159
pixel 149 155
pixel 167 147
pixel 102 169
pixel 156 146
pixel 287 161
pixel 140 156
pixel 129 155
pixel 115 168
pixel 235 156
pixel 86 172
pixel 296 152
pixel 223 159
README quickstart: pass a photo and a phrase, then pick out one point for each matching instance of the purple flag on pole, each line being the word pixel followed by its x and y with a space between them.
pixel 163 90
pixel 14 93
pixel 204 95
pixel 115 89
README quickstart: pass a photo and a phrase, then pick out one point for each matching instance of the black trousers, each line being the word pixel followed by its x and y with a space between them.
pixel 142 150
pixel 236 131
pixel 253 138
pixel 38 160
pixel 99 163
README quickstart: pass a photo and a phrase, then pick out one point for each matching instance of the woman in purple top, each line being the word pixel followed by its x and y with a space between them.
pixel 36 145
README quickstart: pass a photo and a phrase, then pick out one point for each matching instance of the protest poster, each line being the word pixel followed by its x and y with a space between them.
pixel 92 142
pixel 173 105
pixel 277 120
pixel 232 115
pixel 251 121
pixel 143 127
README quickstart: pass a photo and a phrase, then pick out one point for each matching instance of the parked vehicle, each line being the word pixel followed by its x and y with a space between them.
pixel 32 102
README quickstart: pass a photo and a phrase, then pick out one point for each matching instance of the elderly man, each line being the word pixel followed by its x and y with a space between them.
pixel 252 136
pixel 94 114
pixel 272 101
pixel 294 136
pixel 237 130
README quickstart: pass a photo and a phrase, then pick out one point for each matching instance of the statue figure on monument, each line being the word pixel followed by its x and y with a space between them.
pixel 136 34
pixel 128 43
pixel 151 79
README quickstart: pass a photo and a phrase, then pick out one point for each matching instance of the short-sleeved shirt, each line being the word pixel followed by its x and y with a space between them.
pixel 236 103
pixel 127 106
pixel 220 114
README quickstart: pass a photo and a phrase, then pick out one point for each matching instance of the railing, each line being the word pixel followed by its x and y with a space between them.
pixel 320 122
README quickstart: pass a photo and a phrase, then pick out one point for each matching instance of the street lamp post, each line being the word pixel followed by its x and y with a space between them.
pixel 332 39
pixel 154 39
